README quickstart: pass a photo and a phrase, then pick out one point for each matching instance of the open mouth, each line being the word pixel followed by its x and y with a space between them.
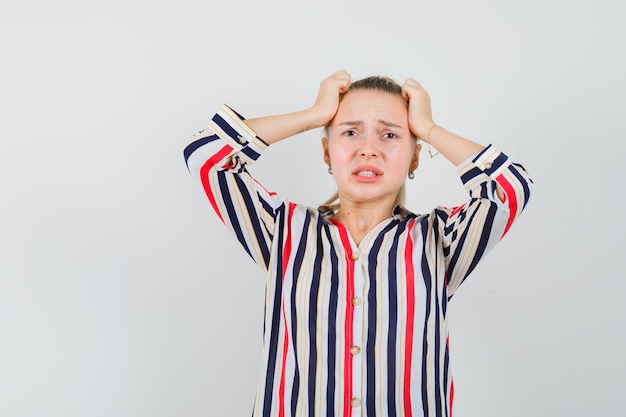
pixel 366 173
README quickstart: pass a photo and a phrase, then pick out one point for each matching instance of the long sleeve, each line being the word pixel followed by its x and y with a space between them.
pixel 474 228
pixel 217 158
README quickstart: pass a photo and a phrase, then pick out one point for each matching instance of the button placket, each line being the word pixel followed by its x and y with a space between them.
pixel 357 333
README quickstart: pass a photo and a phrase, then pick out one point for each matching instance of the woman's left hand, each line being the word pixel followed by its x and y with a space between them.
pixel 420 113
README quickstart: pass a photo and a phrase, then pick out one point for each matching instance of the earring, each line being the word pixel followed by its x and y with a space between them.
pixel 330 170
pixel 411 175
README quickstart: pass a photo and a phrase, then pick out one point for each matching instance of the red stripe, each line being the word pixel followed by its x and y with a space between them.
pixel 451 396
pixel 451 380
pixel 456 210
pixel 271 194
pixel 509 192
pixel 349 326
pixel 204 176
pixel 281 388
pixel 410 319
pixel 286 255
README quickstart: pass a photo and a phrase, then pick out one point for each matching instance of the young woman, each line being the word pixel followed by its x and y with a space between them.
pixel 357 290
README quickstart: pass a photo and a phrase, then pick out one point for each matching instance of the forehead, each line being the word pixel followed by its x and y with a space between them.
pixel 367 104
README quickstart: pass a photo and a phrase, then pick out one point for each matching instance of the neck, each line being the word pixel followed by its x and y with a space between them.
pixel 360 218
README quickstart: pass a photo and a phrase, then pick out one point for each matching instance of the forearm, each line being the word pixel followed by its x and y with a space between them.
pixel 454 147
pixel 275 128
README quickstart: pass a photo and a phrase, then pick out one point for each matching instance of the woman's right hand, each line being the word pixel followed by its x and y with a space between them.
pixel 327 102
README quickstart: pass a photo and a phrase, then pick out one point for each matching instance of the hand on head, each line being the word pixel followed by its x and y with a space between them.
pixel 420 113
pixel 329 95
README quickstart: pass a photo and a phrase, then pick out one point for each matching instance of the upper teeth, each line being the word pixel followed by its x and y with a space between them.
pixel 366 174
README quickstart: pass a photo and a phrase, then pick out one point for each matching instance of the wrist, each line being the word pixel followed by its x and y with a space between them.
pixel 424 129
pixel 432 128
pixel 318 117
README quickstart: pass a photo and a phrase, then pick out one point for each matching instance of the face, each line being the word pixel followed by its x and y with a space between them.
pixel 370 147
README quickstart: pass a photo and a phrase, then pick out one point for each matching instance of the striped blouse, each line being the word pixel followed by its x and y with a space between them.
pixel 354 330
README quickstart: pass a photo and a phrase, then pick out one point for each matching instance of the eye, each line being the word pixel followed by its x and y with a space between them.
pixel 349 133
pixel 390 135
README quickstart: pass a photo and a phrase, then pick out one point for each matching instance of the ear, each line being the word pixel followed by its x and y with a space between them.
pixel 415 159
pixel 325 151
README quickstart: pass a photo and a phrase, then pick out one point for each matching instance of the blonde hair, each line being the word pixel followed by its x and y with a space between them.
pixel 376 83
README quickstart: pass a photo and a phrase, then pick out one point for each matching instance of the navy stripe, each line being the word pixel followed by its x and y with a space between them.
pixel 437 347
pixel 332 328
pixel 299 257
pixel 470 174
pixel 446 365
pixel 486 189
pixel 237 113
pixel 427 284
pixel 372 305
pixel 444 301
pixel 461 240
pixel 297 265
pixel 514 170
pixel 484 238
pixel 313 296
pixel 193 146
pixel 226 127
pixel 230 209
pixel 370 346
pixel 496 164
pixel 392 276
pixel 275 326
pixel 256 223
pixel 480 154
pixel 250 153
pixel 268 209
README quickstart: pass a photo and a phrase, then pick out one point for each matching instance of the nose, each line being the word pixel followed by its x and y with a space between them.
pixel 369 146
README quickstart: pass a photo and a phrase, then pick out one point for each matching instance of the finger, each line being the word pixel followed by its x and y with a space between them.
pixel 412 82
pixel 341 74
pixel 345 77
pixel 406 95
pixel 406 92
pixel 344 83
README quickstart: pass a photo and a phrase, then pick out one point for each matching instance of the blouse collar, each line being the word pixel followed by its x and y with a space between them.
pixel 399 212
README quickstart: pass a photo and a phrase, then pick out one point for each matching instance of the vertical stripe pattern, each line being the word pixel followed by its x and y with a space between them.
pixel 354 330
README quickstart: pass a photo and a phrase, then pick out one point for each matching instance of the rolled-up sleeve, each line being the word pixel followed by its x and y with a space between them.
pixel 471 230
pixel 217 158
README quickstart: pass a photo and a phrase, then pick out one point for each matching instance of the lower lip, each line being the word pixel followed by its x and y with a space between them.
pixel 364 179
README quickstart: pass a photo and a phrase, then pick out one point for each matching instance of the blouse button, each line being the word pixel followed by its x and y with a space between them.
pixel 355 402
pixel 488 165
pixel 355 256
pixel 357 301
pixel 241 139
pixel 355 350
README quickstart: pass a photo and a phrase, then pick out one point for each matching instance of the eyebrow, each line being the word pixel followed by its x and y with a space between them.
pixel 358 123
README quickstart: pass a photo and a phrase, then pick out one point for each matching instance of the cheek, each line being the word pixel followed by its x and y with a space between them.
pixel 338 154
pixel 401 157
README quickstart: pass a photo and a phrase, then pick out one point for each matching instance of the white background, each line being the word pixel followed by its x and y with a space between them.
pixel 122 295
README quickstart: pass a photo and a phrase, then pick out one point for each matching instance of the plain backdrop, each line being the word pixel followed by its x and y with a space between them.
pixel 122 295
